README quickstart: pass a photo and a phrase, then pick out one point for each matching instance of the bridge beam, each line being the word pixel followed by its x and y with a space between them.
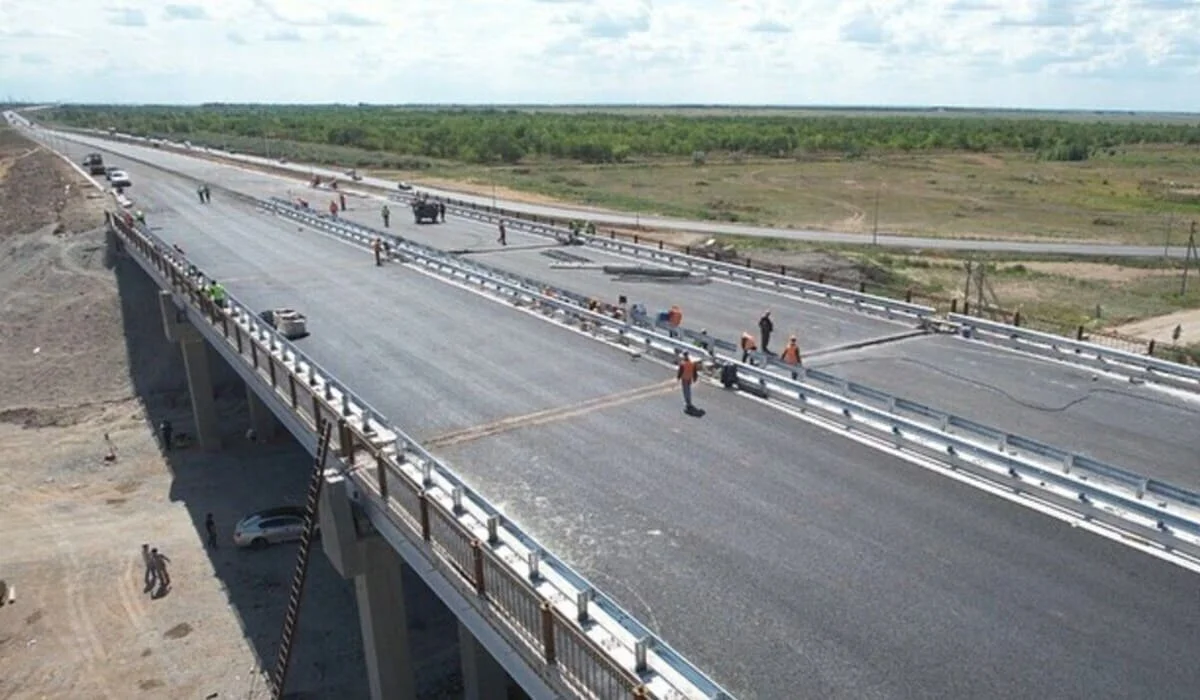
pixel 199 374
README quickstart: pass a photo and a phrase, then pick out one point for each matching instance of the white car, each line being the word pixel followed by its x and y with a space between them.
pixel 120 178
pixel 283 524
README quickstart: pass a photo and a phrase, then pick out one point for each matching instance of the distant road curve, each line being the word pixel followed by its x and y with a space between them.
pixel 611 218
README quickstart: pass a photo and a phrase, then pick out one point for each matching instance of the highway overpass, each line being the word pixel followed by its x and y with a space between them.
pixel 783 558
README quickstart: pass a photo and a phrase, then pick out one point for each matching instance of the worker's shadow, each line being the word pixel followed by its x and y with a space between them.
pixel 695 412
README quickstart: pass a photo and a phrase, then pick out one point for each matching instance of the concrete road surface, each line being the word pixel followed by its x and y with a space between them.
pixel 786 560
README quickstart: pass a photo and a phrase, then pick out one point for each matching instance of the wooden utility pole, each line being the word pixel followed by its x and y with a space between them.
pixel 1192 254
pixel 875 226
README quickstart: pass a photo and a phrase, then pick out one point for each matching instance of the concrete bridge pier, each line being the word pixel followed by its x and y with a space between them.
pixel 262 421
pixel 389 603
pixel 199 375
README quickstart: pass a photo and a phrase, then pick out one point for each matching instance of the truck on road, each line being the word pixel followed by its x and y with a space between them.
pixel 95 164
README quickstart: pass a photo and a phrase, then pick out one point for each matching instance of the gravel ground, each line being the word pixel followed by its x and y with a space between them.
pixel 84 373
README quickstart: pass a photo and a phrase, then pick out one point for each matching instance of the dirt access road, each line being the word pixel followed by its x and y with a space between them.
pixel 86 373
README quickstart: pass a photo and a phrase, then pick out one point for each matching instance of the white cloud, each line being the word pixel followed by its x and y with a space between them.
pixel 1124 54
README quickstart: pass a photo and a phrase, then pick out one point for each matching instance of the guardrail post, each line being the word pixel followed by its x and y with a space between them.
pixel 426 474
pixel 254 355
pixel 477 566
pixel 493 529
pixel 1068 463
pixel 345 402
pixel 456 497
pixel 1141 488
pixel 548 633
pixel 424 500
pixel 292 389
pixel 534 559
pixel 1079 333
pixel 381 475
pixel 346 441
pixel 582 598
pixel 271 371
pixel 237 337
pixel 639 654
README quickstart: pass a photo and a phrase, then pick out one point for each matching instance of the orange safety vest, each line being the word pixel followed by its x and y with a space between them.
pixel 674 316
pixel 748 342
pixel 687 371
pixel 791 355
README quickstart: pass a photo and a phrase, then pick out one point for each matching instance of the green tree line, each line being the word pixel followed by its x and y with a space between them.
pixel 510 136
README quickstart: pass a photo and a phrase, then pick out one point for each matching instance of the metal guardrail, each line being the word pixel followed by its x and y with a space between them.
pixel 1105 490
pixel 1144 367
pixel 580 638
pixel 825 293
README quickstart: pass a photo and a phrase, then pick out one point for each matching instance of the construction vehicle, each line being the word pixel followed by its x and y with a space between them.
pixel 425 210
pixel 290 323
pixel 95 164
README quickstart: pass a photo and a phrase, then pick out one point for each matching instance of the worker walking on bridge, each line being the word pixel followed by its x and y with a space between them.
pixel 686 375
pixel 791 356
pixel 386 214
pixel 377 248
pixel 442 211
pixel 765 328
pixel 503 239
pixel 217 294
pixel 342 200
pixel 140 217
pixel 748 346
pixel 333 208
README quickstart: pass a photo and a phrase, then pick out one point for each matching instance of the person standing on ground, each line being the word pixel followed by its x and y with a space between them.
pixel 687 376
pixel 791 356
pixel 442 211
pixel 200 193
pixel 377 248
pixel 386 214
pixel 342 200
pixel 765 328
pixel 150 574
pixel 164 432
pixel 210 528
pixel 207 194
pixel 333 208
pixel 160 567
pixel 503 239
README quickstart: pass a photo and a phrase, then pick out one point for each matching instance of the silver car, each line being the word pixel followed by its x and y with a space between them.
pixel 271 526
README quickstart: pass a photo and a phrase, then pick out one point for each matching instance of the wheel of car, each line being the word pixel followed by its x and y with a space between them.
pixel 258 543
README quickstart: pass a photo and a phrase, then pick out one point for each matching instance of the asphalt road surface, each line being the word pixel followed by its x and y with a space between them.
pixel 885 239
pixel 784 559
pixel 1140 428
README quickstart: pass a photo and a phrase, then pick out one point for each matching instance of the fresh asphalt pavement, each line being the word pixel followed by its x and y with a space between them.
pixel 784 559
pixel 885 239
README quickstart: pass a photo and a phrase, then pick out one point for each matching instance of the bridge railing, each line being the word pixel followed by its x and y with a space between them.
pixel 575 636
pixel 1133 365
pixel 1145 502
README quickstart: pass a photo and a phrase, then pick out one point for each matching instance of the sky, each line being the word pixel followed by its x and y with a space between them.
pixel 1141 55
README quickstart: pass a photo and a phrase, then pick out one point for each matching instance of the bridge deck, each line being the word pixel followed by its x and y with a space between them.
pixel 786 560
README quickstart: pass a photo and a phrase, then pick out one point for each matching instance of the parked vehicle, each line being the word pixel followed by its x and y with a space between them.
pixel 271 526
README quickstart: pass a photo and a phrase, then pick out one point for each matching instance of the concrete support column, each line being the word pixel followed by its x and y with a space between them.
pixel 200 388
pixel 483 677
pixel 262 421
pixel 383 617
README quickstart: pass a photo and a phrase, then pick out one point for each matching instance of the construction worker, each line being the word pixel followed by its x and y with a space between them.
pixel 377 248
pixel 686 375
pixel 442 211
pixel 333 208
pixel 503 239
pixel 703 341
pixel 342 200
pixel 791 356
pixel 207 194
pixel 386 214
pixel 200 193
pixel 748 346
pixel 140 217
pixel 217 294
pixel 765 327
pixel 674 318
pixel 165 432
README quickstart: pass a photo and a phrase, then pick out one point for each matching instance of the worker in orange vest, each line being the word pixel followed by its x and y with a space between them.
pixel 791 356
pixel 687 376
pixel 333 209
pixel 748 346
